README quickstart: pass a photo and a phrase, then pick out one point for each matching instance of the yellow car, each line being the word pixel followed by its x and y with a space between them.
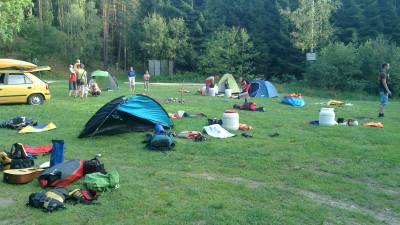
pixel 21 86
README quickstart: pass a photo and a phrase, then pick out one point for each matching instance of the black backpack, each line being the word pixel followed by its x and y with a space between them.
pixel 19 158
pixel 92 166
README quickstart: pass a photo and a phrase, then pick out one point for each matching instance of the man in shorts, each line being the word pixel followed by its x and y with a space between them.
pixel 384 91
pixel 131 77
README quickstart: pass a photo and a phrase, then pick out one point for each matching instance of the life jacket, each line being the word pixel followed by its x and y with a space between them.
pixel 61 175
pixel 49 201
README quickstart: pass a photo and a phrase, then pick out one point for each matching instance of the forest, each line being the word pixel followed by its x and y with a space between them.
pixel 250 38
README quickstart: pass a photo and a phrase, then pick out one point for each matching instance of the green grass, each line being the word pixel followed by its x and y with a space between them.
pixel 307 175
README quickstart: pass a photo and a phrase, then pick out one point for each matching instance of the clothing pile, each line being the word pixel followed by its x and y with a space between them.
pixel 18 123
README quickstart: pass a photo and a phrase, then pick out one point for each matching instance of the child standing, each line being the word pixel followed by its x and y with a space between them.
pixel 146 80
pixel 131 77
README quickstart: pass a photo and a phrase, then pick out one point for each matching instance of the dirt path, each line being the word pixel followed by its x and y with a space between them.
pixel 383 216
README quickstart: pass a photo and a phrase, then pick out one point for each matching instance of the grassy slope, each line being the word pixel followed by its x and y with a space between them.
pixel 307 175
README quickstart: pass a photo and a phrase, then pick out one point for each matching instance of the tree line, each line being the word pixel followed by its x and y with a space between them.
pixel 259 38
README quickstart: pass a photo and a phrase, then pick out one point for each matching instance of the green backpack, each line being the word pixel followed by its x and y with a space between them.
pixel 102 182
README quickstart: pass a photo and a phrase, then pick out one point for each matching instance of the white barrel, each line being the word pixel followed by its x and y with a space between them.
pixel 203 90
pixel 230 120
pixel 216 89
pixel 327 117
pixel 211 91
pixel 228 93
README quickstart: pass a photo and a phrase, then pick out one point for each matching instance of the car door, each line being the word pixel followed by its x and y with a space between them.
pixel 2 87
pixel 17 88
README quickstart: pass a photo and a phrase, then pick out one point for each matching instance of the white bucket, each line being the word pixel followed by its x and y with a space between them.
pixel 327 117
pixel 216 89
pixel 203 90
pixel 211 91
pixel 230 120
pixel 228 93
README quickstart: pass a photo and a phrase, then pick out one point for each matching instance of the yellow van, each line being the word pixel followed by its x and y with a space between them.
pixel 21 86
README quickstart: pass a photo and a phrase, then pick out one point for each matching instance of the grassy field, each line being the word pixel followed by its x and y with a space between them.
pixel 307 175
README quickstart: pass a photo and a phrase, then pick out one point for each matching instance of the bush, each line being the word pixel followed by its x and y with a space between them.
pixel 373 53
pixel 354 68
pixel 337 68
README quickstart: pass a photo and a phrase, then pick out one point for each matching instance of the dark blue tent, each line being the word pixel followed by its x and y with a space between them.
pixel 262 89
pixel 138 113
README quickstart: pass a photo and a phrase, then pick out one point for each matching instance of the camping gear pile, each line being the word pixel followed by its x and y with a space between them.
pixel 18 168
pixel 294 99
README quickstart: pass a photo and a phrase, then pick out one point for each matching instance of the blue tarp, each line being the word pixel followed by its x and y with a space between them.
pixel 293 101
pixel 146 108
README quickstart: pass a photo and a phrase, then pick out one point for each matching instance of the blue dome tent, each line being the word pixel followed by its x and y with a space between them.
pixel 262 89
pixel 138 113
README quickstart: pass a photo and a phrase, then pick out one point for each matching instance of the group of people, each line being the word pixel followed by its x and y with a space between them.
pixel 244 86
pixel 78 81
pixel 132 80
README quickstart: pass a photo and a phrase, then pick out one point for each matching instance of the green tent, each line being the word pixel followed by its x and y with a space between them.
pixel 228 80
pixel 105 80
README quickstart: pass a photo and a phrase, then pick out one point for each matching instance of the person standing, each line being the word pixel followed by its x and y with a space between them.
pixel 210 82
pixel 384 91
pixel 82 80
pixel 131 78
pixel 72 81
pixel 146 80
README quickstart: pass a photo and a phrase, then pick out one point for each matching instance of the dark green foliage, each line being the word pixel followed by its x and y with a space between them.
pixel 355 68
pixel 110 32
pixel 337 68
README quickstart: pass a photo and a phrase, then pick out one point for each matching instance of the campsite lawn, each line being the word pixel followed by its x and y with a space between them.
pixel 307 175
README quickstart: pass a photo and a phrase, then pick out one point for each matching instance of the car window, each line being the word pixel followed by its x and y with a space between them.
pixel 18 79
pixel 2 76
pixel 27 80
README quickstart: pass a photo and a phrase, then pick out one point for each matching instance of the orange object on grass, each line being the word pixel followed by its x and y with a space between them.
pixel 373 124
pixel 295 95
pixel 243 126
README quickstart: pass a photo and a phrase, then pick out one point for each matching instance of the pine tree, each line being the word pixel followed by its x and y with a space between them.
pixel 348 20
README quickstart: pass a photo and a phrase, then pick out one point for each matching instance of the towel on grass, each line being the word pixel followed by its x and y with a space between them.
pixel 217 131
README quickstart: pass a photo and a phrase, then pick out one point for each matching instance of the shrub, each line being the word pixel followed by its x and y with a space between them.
pixel 373 53
pixel 337 68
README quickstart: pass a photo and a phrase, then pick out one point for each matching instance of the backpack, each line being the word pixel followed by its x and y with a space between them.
pixel 92 166
pixel 19 158
pixel 160 142
pixel 102 182
pixel 50 200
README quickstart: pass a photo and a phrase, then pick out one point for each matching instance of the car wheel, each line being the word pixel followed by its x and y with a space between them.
pixel 35 99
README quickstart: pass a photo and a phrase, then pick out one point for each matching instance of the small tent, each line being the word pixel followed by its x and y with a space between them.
pixel 262 89
pixel 230 81
pixel 138 113
pixel 105 80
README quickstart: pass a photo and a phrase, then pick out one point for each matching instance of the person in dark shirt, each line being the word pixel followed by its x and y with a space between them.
pixel 384 91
